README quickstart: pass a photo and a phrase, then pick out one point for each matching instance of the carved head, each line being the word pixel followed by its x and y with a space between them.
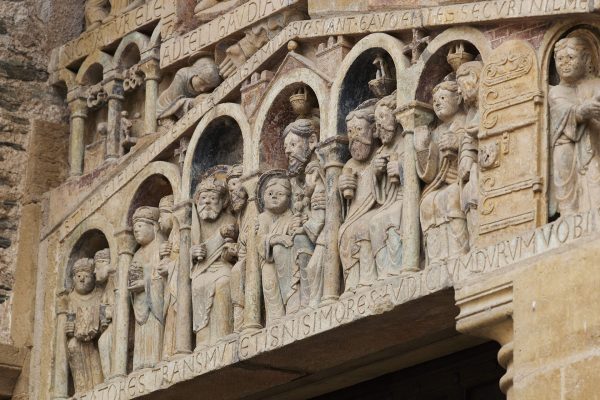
pixel 211 198
pixel 361 129
pixel 300 139
pixel 385 120
pixel 83 276
pixel 277 194
pixel 446 100
pixel 206 76
pixel 574 58
pixel 102 265
pixel 237 192
pixel 145 224
pixel 165 218
pixel 467 77
pixel 312 176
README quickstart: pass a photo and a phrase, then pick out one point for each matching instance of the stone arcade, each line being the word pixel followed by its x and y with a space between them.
pixel 299 199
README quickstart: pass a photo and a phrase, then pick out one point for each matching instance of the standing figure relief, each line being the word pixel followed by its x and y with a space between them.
pixel 214 230
pixel 146 285
pixel 575 125
pixel 105 270
pixel 443 221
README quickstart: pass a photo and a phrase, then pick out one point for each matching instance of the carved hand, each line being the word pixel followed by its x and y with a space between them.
pixel 230 252
pixel 234 58
pixel 199 252
pixel 464 168
pixel 163 267
pixel 449 142
pixel 136 286
pixel 283 240
pixel 347 182
pixel 393 169
pixel 590 109
pixel 165 249
pixel 318 201
pixel 379 164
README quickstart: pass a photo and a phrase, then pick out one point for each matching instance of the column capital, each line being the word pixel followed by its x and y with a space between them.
pixel 414 114
pixel 126 243
pixel 183 213
pixel 333 151
pixel 151 69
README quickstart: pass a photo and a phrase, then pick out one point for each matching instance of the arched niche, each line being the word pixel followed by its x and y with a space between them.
pixel 157 180
pixel 432 66
pixel 86 246
pixel 279 115
pixel 130 50
pixel 93 68
pixel 221 137
pixel 351 84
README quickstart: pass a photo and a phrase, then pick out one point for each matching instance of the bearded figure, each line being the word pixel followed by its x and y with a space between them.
pixel 308 194
pixel 146 285
pixel 213 229
pixel 168 269
pixel 105 279
pixel 279 271
pixel 83 327
pixel 239 198
pixel 386 223
pixel 189 82
pixel 467 77
pixel 575 125
pixel 442 218
pixel 356 185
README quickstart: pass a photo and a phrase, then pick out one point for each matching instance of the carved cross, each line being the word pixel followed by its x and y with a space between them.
pixel 181 151
pixel 418 44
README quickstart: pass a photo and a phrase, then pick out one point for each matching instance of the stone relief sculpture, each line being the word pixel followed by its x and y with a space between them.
pixel 206 10
pixel 146 285
pixel 168 268
pixel 105 279
pixel 187 88
pixel 575 125
pixel 467 77
pixel 356 185
pixel 386 223
pixel 214 228
pixel 239 199
pixel 95 12
pixel 442 218
pixel 83 327
pixel 275 242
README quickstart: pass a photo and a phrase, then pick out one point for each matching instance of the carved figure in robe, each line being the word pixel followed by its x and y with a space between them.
pixel 146 285
pixel 95 12
pixel 188 84
pixel 168 268
pixel 386 223
pixel 274 241
pixel 575 125
pixel 239 199
pixel 126 138
pixel 300 141
pixel 356 185
pixel 83 327
pixel 214 227
pixel 443 221
pixel 467 77
pixel 207 10
pixel 255 38
pixel 105 279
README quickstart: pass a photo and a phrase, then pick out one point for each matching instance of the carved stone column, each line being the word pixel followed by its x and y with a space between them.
pixel 410 116
pixel 61 363
pixel 183 335
pixel 126 246
pixel 151 70
pixel 334 153
pixel 78 107
pixel 114 89
pixel 253 290
pixel 486 311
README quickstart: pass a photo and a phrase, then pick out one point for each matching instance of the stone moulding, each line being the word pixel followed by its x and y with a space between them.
pixel 368 301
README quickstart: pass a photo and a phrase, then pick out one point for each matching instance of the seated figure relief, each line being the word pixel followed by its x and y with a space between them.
pixel 213 232
pixel 275 246
pixel 187 89
pixel 146 285
pixel 83 327
pixel 575 125
pixel 442 219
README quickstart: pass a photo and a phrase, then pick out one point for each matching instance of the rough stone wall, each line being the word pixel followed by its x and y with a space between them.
pixel 27 30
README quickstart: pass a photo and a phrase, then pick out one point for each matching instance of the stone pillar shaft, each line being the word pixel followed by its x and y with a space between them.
pixel 76 142
pixel 61 363
pixel 183 334
pixel 126 247
pixel 115 106
pixel 152 76
pixel 253 290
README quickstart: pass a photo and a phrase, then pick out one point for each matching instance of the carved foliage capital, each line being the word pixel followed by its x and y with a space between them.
pixel 126 243
pixel 151 69
pixel 333 151
pixel 414 114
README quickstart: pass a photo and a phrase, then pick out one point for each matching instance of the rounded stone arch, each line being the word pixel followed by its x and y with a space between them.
pixel 92 235
pixel 376 41
pixel 156 37
pixel 222 112
pixel 422 79
pixel 130 50
pixel 94 66
pixel 297 77
pixel 157 180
